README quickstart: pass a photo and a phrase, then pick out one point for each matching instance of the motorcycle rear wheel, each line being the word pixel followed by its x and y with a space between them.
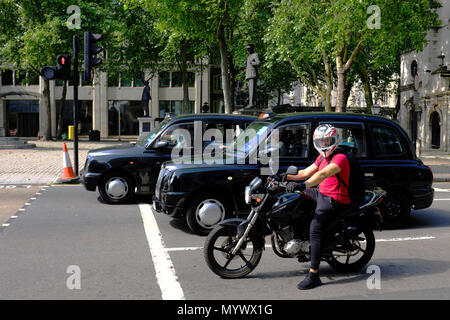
pixel 218 253
pixel 363 246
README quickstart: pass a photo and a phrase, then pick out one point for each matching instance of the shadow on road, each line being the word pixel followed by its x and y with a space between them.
pixel 428 219
pixel 180 224
pixel 392 269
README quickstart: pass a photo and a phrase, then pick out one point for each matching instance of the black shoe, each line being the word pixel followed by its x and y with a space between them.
pixel 311 281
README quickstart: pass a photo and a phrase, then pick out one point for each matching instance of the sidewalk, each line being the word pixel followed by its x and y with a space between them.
pixel 439 162
pixel 44 164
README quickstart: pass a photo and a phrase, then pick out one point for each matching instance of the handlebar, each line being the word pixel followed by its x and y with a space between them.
pixel 273 184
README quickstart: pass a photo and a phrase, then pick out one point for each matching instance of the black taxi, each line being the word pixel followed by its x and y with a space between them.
pixel 121 172
pixel 208 193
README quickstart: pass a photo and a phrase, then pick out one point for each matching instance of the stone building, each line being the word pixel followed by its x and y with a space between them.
pixel 102 103
pixel 433 87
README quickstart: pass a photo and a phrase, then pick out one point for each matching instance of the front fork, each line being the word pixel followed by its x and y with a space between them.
pixel 251 220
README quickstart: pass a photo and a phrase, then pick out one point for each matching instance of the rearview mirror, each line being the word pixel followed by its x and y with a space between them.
pixel 293 170
pixel 161 145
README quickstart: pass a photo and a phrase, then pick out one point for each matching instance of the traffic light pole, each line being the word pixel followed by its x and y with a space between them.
pixel 76 77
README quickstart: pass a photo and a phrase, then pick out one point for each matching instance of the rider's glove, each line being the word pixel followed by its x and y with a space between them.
pixel 281 176
pixel 295 186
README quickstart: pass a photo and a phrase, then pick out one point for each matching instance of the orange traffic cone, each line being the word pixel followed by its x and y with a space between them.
pixel 68 173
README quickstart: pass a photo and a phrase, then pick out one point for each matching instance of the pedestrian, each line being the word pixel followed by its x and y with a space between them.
pixel 330 195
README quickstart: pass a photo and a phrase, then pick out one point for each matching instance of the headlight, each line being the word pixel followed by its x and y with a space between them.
pixel 248 194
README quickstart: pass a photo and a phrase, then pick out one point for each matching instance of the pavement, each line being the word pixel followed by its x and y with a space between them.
pixel 44 164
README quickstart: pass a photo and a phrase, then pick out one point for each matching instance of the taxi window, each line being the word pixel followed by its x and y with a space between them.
pixel 352 135
pixel 386 141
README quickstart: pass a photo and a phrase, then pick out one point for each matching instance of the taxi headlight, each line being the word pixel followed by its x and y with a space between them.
pixel 248 194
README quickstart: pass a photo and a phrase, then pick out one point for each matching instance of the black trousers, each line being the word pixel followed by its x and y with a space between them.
pixel 325 209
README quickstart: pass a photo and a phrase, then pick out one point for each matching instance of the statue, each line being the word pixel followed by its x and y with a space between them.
pixel 251 73
pixel 145 98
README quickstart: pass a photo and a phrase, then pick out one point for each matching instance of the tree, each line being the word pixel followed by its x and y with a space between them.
pixel 403 25
pixel 292 37
pixel 319 36
pixel 207 22
pixel 38 33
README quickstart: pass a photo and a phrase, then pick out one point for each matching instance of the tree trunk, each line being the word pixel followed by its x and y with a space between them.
pixel 61 111
pixel 220 36
pixel 341 75
pixel 47 135
pixel 328 80
pixel 184 80
pixel 343 66
pixel 348 89
pixel 279 94
pixel 367 89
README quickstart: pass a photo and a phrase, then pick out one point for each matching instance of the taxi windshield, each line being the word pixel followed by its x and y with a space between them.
pixel 148 138
pixel 248 141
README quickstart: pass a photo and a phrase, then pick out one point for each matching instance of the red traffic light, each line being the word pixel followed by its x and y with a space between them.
pixel 64 60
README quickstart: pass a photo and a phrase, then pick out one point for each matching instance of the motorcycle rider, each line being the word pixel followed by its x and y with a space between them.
pixel 329 196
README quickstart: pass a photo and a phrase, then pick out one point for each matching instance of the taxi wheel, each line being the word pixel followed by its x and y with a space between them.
pixel 206 211
pixel 116 187
pixel 401 212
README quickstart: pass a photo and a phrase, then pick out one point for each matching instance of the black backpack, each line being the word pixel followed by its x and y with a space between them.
pixel 356 187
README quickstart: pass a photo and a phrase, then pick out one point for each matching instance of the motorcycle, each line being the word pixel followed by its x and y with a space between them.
pixel 234 248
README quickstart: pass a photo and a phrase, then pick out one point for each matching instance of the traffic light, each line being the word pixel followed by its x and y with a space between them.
pixel 61 71
pixel 89 53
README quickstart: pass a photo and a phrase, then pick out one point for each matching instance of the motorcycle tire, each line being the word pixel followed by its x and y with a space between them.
pixel 217 252
pixel 365 234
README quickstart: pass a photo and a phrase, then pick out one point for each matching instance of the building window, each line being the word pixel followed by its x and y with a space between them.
pixel 113 79
pixel 20 77
pixel 175 106
pixel 217 83
pixel 32 79
pixel 191 79
pixel 218 106
pixel 176 80
pixel 164 79
pixel 138 80
pixel 124 115
pixel 7 77
pixel 164 107
pixel 125 81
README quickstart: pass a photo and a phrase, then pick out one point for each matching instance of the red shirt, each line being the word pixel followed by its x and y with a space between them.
pixel 331 186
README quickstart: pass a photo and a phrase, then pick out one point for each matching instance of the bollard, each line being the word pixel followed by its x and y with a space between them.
pixel 71 132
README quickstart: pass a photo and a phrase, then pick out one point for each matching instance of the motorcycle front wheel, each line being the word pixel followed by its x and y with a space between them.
pixel 354 254
pixel 218 253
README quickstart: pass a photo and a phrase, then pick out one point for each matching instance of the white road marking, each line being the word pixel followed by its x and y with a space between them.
pixel 270 246
pixel 441 190
pixel 441 199
pixel 165 271
pixel 5 225
pixel 406 239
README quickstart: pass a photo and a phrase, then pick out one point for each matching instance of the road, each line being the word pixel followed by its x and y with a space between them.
pixel 64 243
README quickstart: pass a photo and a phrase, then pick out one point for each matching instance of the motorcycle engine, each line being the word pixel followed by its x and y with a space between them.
pixel 296 246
